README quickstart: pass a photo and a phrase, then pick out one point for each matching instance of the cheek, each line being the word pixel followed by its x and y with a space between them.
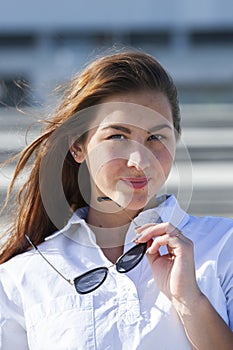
pixel 164 161
pixel 105 173
pixel 166 153
pixel 105 158
pixel 97 160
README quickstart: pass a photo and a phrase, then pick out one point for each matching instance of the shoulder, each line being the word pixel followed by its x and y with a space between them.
pixel 11 277
pixel 210 225
pixel 20 274
pixel 11 273
pixel 196 227
pixel 212 237
pixel 209 234
pixel 16 268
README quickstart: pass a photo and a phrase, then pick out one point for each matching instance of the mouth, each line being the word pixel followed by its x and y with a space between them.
pixel 136 182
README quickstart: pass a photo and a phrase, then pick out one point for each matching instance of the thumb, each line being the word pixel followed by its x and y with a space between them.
pixel 152 257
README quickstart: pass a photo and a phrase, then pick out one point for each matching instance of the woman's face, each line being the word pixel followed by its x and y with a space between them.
pixel 130 153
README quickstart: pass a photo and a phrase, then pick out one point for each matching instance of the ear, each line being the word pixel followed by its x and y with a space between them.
pixel 78 152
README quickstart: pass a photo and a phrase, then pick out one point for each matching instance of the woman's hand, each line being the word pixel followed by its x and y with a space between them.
pixel 174 272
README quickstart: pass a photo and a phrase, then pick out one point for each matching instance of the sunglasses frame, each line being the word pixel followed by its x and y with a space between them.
pixel 104 268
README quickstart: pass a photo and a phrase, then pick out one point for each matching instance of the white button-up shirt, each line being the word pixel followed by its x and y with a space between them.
pixel 39 310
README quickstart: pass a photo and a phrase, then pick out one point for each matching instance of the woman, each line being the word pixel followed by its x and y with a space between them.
pixel 91 196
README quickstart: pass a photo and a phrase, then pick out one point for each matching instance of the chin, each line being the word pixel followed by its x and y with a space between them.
pixel 137 203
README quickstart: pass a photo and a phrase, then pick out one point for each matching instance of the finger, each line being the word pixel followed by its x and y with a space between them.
pixel 140 232
pixel 140 229
pixel 153 257
pixel 171 241
pixel 179 233
pixel 150 231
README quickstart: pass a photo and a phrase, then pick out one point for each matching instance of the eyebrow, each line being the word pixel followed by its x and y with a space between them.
pixel 159 127
pixel 128 131
pixel 118 127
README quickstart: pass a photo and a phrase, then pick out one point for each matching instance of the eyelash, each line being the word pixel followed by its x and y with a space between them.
pixel 116 136
pixel 156 137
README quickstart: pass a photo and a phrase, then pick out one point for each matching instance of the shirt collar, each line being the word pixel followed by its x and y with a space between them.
pixel 167 211
pixel 170 211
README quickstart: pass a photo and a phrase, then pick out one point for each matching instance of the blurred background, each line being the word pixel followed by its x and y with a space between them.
pixel 43 43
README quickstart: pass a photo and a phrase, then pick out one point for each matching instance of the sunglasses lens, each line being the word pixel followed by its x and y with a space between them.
pixel 90 280
pixel 131 258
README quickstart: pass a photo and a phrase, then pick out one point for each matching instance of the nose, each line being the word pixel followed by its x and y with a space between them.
pixel 138 160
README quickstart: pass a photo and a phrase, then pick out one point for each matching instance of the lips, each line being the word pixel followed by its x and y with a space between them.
pixel 136 182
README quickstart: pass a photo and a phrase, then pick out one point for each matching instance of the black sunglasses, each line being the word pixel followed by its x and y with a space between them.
pixel 92 279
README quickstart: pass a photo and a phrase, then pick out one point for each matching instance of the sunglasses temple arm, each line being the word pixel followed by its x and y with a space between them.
pixel 48 262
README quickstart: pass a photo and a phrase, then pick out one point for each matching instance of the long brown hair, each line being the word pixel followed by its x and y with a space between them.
pixel 116 73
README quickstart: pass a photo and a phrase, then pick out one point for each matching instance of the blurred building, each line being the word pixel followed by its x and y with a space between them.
pixel 45 42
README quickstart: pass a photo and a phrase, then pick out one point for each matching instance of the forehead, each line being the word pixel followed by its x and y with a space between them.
pixel 135 114
pixel 143 110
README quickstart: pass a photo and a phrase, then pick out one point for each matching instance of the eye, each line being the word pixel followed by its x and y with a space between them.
pixel 117 137
pixel 156 137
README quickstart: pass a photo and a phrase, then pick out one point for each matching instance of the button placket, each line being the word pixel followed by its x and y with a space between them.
pixel 128 301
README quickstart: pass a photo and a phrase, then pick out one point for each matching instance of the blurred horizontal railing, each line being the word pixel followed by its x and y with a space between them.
pixel 204 182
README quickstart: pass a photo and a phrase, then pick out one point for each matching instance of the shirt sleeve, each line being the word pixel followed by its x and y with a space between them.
pixel 225 273
pixel 12 330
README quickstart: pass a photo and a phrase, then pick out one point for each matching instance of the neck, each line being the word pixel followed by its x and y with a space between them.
pixel 110 228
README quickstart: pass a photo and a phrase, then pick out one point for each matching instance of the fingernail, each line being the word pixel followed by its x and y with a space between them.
pixel 137 238
pixel 148 251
